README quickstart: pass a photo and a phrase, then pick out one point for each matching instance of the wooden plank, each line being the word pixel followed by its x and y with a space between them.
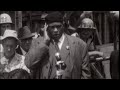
pixel 19 19
pixel 106 48
pixel 99 40
pixel 100 29
pixel 115 36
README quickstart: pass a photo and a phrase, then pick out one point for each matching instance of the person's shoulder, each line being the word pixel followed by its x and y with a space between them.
pixel 37 40
pixel 76 40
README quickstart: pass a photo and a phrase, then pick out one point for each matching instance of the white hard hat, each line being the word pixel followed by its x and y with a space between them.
pixel 5 18
pixel 115 14
pixel 87 23
pixel 86 14
pixel 43 16
pixel 10 33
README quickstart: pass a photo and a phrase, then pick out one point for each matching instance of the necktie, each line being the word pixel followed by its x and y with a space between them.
pixel 57 47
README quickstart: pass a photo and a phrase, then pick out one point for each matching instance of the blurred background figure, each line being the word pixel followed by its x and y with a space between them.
pixel 25 36
pixel 114 57
pixel 41 30
pixel 18 74
pixel 86 31
pixel 11 60
pixel 5 23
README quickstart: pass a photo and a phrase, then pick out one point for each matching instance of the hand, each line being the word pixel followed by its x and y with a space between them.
pixel 46 37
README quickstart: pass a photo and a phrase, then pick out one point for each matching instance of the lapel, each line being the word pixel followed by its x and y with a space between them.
pixel 65 50
pixel 52 61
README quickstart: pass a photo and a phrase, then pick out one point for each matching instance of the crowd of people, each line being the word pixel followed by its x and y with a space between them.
pixel 56 51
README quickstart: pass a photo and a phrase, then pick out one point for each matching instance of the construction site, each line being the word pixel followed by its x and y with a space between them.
pixel 106 35
pixel 106 38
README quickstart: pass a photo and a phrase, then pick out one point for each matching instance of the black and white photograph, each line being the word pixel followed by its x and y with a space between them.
pixel 59 45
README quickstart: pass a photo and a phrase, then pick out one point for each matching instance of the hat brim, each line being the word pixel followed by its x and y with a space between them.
pixel 87 28
pixel 26 37
pixel 3 38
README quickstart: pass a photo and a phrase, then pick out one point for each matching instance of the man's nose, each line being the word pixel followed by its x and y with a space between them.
pixel 55 29
pixel 27 41
pixel 9 49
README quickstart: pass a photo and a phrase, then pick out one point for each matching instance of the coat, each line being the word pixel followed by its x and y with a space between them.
pixel 74 54
pixel 41 59
pixel 38 53
pixel 114 64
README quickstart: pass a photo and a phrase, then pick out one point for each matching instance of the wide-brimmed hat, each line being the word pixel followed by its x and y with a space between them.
pixel 24 33
pixel 9 33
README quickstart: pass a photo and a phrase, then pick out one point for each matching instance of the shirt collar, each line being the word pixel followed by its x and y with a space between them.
pixel 61 40
pixel 4 60
pixel 23 51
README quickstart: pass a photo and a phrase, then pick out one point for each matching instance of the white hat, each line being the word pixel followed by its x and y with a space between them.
pixel 10 33
pixel 5 18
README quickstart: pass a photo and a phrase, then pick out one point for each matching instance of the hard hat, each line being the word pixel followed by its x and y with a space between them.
pixel 86 14
pixel 115 14
pixel 43 16
pixel 5 18
pixel 87 23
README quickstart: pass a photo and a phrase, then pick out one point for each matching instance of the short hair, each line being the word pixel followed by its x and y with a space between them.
pixel 19 74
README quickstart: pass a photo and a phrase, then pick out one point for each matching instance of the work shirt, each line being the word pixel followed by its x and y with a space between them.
pixel 17 62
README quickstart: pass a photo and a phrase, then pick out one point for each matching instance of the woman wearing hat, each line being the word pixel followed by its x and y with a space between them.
pixel 11 60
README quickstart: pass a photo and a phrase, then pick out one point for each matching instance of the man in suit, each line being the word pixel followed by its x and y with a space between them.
pixel 25 37
pixel 68 56
pixel 61 57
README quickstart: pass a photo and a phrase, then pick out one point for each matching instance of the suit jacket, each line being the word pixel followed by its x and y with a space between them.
pixel 38 53
pixel 74 54
pixel 114 64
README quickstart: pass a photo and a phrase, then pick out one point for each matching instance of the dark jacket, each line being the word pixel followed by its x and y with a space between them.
pixel 37 54
pixel 114 64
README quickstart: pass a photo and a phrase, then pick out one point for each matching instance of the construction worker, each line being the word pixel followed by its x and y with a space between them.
pixel 5 23
pixel 86 32
pixel 10 59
